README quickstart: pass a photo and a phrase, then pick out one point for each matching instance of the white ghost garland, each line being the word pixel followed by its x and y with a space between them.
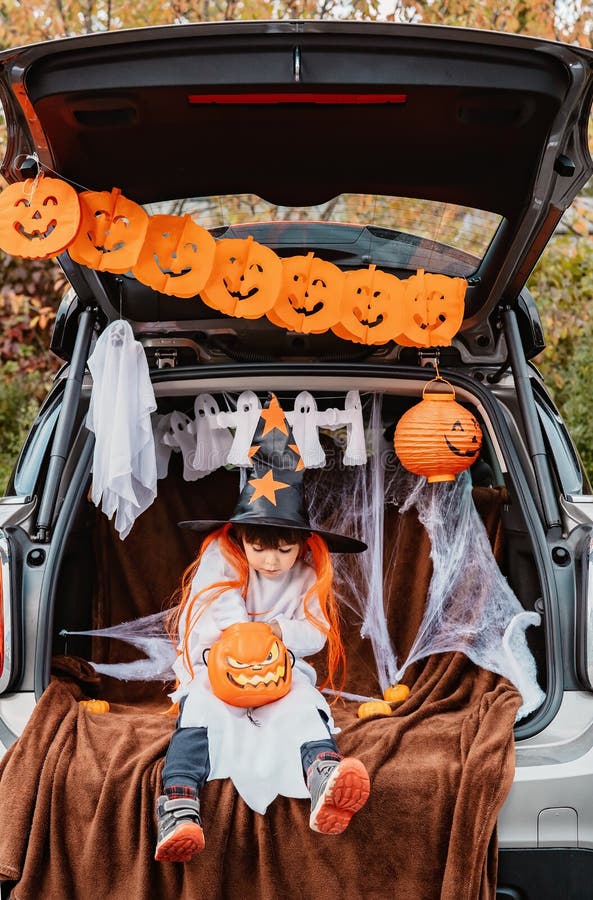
pixel 244 420
pixel 180 439
pixel 355 453
pixel 212 444
pixel 160 426
pixel 305 421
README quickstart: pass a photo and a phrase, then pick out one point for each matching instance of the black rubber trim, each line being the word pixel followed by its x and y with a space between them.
pixel 564 873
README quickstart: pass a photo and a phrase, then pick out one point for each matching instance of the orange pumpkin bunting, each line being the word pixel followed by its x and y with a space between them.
pixel 310 295
pixel 437 437
pixel 372 310
pixel 38 218
pixel 245 279
pixel 435 306
pixel 249 665
pixel 176 257
pixel 111 233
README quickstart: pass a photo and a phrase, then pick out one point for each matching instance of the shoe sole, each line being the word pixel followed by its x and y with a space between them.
pixel 347 791
pixel 183 843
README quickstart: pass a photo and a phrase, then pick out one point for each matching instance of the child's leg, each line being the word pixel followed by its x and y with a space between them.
pixel 339 786
pixel 187 767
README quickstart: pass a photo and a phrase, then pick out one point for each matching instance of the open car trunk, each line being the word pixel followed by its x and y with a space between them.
pixel 440 765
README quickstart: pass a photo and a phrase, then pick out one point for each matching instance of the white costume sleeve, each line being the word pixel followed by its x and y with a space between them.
pixel 298 633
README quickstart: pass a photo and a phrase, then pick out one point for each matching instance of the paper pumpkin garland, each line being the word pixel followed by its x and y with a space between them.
pixel 38 217
pixel 176 257
pixel 310 295
pixel 372 309
pixel 249 666
pixel 245 279
pixel 111 233
pixel 437 437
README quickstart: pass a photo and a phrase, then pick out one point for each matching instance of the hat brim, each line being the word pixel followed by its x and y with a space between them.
pixel 336 543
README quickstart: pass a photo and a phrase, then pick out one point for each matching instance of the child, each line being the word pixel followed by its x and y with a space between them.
pixel 254 568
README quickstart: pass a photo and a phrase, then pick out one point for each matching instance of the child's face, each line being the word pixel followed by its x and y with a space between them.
pixel 271 562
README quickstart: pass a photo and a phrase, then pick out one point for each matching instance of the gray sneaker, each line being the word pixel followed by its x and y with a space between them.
pixel 180 834
pixel 338 788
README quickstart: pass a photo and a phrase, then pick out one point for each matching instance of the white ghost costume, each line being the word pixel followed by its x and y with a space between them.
pixel 263 759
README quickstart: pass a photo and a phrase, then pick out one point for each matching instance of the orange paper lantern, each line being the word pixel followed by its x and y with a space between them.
pixel 38 217
pixel 176 257
pixel 111 233
pixel 310 295
pixel 438 437
pixel 249 665
pixel 245 278
pixel 372 309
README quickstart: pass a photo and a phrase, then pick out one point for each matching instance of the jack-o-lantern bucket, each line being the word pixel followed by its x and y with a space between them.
pixel 438 437
pixel 249 666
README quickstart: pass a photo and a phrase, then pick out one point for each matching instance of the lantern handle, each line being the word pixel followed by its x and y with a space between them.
pixel 442 380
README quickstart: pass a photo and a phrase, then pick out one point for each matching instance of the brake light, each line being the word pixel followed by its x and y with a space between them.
pixel 265 98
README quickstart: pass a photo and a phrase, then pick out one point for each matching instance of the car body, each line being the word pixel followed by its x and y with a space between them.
pixel 482 130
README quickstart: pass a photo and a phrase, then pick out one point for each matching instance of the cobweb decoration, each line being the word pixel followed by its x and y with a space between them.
pixel 470 606
pixel 354 506
pixel 147 634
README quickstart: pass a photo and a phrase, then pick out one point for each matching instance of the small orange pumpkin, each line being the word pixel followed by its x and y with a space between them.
pixel 396 693
pixel 310 295
pixel 38 218
pixel 111 233
pixel 95 706
pixel 437 437
pixel 176 257
pixel 374 708
pixel 249 665
pixel 372 309
pixel 245 278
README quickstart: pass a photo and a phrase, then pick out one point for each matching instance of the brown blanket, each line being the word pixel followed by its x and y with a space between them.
pixel 77 791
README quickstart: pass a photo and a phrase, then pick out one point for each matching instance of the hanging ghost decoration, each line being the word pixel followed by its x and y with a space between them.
pixel 244 420
pixel 305 420
pixel 355 453
pixel 180 439
pixel 160 427
pixel 211 443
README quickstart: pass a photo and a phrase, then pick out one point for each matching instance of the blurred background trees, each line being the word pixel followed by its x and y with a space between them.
pixel 562 282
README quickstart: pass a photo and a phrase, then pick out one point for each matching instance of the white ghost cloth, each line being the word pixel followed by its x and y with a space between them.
pixel 122 400
pixel 305 420
pixel 244 420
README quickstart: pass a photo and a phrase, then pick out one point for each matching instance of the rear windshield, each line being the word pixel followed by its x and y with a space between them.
pixel 447 238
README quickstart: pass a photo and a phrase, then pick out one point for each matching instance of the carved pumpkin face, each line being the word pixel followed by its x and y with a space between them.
pixel 435 306
pixel 176 257
pixel 372 310
pixel 38 218
pixel 249 665
pixel 438 438
pixel 245 279
pixel 310 295
pixel 111 233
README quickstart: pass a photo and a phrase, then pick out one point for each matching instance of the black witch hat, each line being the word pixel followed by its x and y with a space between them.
pixel 274 493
